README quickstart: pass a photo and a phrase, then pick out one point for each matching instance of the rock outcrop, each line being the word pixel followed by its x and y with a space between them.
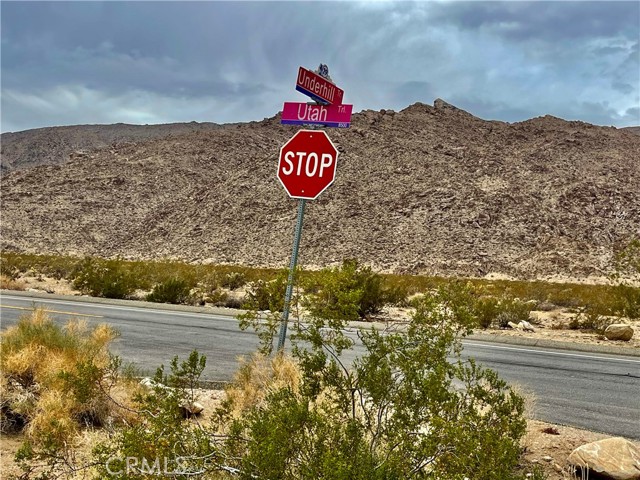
pixel 611 459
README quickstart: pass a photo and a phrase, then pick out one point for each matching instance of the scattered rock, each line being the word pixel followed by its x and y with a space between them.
pixel 515 326
pixel 547 458
pixel 612 458
pixel 550 431
pixel 546 306
pixel 619 331
pixel 526 326
pixel 189 409
pixel 192 408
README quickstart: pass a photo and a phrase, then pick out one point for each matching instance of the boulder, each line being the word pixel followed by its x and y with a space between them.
pixel 619 331
pixel 612 459
pixel 526 326
pixel 515 326
pixel 190 409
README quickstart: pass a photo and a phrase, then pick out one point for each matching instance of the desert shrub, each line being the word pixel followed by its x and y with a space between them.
pixel 289 439
pixel 512 310
pixel 255 378
pixel 173 290
pixel 233 280
pixel 627 300
pixel 104 278
pixel 8 283
pixel 590 319
pixel 403 410
pixel 268 295
pixel 161 442
pixel 486 310
pixel 10 266
pixel 233 302
pixel 626 279
pixel 350 292
pixel 54 381
pixel 13 264
pixel 217 297
pixel 500 311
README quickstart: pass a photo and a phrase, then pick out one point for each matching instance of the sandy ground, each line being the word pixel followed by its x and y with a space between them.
pixel 553 325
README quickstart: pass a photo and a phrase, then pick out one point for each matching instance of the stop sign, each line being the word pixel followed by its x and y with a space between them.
pixel 307 164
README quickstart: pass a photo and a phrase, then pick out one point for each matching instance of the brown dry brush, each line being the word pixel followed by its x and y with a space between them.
pixel 56 380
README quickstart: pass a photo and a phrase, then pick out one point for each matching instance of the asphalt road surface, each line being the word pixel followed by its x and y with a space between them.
pixel 594 391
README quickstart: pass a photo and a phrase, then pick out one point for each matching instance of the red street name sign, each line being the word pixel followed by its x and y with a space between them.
pixel 318 88
pixel 305 114
pixel 307 164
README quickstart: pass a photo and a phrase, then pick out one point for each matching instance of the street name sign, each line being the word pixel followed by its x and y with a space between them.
pixel 338 116
pixel 307 164
pixel 318 88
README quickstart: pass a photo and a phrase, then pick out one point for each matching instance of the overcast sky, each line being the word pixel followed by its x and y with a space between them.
pixel 158 62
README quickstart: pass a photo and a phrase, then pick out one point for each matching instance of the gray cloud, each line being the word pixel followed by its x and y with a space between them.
pixel 547 21
pixel 93 62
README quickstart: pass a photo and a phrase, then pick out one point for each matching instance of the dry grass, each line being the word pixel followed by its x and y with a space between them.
pixel 259 376
pixel 50 376
pixel 7 283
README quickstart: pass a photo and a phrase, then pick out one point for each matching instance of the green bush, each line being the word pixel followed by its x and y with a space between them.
pixel 267 295
pixel 626 290
pixel 404 410
pixel 590 319
pixel 487 310
pixel 161 442
pixel 104 278
pixel 500 311
pixel 350 292
pixel 217 297
pixel 174 290
pixel 233 280
pixel 512 310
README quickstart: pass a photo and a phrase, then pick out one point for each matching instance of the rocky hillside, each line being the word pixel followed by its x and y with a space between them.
pixel 50 146
pixel 427 189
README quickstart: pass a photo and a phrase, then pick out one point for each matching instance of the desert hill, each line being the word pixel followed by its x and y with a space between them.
pixel 54 145
pixel 429 189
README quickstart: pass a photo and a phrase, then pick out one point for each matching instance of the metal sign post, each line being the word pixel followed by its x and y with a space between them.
pixel 292 271
pixel 307 162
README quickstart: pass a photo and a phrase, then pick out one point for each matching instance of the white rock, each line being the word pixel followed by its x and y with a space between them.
pixel 619 331
pixel 526 326
pixel 515 326
pixel 612 458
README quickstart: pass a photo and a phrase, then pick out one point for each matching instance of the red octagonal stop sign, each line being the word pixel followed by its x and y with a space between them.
pixel 307 164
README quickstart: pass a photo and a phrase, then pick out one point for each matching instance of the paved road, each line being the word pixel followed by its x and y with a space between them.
pixel 598 392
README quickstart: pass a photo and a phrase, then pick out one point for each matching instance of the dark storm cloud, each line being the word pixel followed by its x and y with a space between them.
pixel 174 49
pixel 148 62
pixel 547 21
